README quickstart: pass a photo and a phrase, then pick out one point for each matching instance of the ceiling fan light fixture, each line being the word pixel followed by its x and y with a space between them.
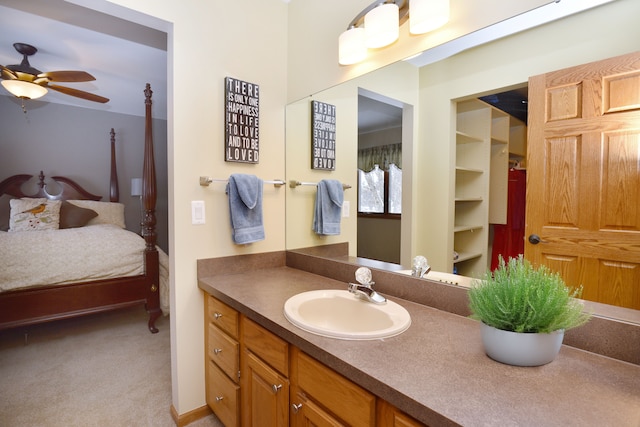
pixel 381 25
pixel 24 90
pixel 427 15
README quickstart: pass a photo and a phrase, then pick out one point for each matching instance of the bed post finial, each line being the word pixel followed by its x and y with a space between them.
pixel 41 183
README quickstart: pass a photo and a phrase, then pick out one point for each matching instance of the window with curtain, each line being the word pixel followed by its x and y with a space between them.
pixel 380 179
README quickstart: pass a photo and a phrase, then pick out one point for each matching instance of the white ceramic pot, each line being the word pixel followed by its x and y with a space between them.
pixel 521 349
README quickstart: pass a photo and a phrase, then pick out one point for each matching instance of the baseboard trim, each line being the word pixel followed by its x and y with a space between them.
pixel 189 417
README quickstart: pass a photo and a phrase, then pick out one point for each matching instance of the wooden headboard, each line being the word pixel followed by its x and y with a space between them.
pixel 12 187
pixel 70 190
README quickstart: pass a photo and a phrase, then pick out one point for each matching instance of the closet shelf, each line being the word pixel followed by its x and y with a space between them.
pixel 461 228
pixel 471 170
pixel 469 199
pixel 466 256
pixel 464 138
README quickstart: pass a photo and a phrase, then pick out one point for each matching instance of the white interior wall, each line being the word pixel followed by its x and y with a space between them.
pixel 209 41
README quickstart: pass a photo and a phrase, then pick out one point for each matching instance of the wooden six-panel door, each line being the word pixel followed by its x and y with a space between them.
pixel 583 184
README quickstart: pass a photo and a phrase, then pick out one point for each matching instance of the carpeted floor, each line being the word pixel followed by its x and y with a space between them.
pixel 99 370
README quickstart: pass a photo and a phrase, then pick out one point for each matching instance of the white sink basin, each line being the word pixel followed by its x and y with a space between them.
pixel 341 314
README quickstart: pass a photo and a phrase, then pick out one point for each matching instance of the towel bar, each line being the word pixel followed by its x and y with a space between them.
pixel 293 184
pixel 206 180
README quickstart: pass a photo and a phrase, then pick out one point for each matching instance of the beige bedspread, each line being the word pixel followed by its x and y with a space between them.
pixel 52 257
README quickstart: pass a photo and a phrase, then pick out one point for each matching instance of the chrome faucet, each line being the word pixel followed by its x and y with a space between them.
pixel 365 287
pixel 367 293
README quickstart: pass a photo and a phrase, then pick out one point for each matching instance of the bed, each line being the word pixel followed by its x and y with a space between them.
pixel 54 257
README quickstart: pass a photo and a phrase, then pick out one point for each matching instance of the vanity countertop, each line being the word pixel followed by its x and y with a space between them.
pixel 437 371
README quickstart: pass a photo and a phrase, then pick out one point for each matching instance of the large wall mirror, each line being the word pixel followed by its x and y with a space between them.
pixel 428 97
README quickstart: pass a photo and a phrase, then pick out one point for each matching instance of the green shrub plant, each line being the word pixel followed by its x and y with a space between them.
pixel 520 298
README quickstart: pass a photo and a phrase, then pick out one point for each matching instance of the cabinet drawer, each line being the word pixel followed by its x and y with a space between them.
pixel 223 396
pixel 224 351
pixel 267 346
pixel 223 316
pixel 346 400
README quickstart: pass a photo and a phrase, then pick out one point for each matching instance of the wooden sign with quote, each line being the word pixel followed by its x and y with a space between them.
pixel 323 136
pixel 242 110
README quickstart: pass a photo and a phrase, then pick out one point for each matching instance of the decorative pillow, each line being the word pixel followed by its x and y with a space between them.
pixel 34 214
pixel 72 216
pixel 108 212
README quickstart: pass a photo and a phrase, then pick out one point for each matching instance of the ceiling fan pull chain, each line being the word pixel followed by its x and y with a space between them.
pixel 24 109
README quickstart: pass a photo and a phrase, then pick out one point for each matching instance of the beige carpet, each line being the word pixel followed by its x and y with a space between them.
pixel 100 370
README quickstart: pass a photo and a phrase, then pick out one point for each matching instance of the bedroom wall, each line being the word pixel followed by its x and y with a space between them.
pixel 75 142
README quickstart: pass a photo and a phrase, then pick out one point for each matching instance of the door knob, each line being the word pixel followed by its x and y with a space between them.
pixel 534 239
pixel 295 408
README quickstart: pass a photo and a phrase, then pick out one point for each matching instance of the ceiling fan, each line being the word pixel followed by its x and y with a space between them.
pixel 26 82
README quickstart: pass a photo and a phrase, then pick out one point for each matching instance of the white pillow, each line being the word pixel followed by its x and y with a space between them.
pixel 108 212
pixel 34 214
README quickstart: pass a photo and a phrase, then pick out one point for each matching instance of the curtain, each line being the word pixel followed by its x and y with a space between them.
pixel 383 155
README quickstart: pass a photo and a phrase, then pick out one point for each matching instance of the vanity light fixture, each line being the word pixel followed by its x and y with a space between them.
pixel 378 25
pixel 24 90
pixel 381 25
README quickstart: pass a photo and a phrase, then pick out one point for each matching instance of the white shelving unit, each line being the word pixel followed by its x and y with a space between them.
pixel 481 180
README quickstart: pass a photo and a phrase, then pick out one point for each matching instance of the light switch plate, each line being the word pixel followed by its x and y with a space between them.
pixel 345 208
pixel 197 212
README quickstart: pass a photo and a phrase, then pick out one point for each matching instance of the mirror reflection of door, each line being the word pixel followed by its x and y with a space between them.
pixel 379 164
pixel 583 200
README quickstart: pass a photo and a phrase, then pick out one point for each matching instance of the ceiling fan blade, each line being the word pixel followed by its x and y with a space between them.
pixel 67 76
pixel 79 93
pixel 7 74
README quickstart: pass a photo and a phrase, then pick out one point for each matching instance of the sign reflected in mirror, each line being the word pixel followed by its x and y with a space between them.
pixel 323 139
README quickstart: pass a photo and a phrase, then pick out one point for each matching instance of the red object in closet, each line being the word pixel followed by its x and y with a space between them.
pixel 508 239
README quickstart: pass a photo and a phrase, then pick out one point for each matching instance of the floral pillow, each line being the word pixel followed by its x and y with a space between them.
pixel 34 214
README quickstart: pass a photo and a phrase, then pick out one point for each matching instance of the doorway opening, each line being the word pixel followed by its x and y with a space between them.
pixel 380 143
pixel 490 180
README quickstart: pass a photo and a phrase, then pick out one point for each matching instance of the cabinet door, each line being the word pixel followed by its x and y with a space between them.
pixel 265 394
pixel 388 415
pixel 308 414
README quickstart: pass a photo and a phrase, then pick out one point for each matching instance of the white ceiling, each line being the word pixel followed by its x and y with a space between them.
pixel 121 55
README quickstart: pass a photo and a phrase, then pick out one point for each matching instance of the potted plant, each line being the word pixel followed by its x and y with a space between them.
pixel 524 312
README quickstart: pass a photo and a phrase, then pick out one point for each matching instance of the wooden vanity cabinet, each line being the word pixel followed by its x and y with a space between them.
pixel 264 379
pixel 222 367
pixel 254 378
pixel 388 415
pixel 322 397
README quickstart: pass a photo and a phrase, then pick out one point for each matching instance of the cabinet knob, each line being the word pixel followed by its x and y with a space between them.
pixel 217 315
pixel 276 388
pixel 217 350
pixel 219 398
pixel 295 408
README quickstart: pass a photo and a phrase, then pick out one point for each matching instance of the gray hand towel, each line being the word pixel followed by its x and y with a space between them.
pixel 245 206
pixel 328 208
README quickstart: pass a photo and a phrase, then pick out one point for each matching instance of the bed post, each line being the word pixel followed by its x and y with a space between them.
pixel 149 196
pixel 114 190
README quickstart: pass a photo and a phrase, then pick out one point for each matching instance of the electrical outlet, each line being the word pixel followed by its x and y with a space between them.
pixel 345 209
pixel 197 212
